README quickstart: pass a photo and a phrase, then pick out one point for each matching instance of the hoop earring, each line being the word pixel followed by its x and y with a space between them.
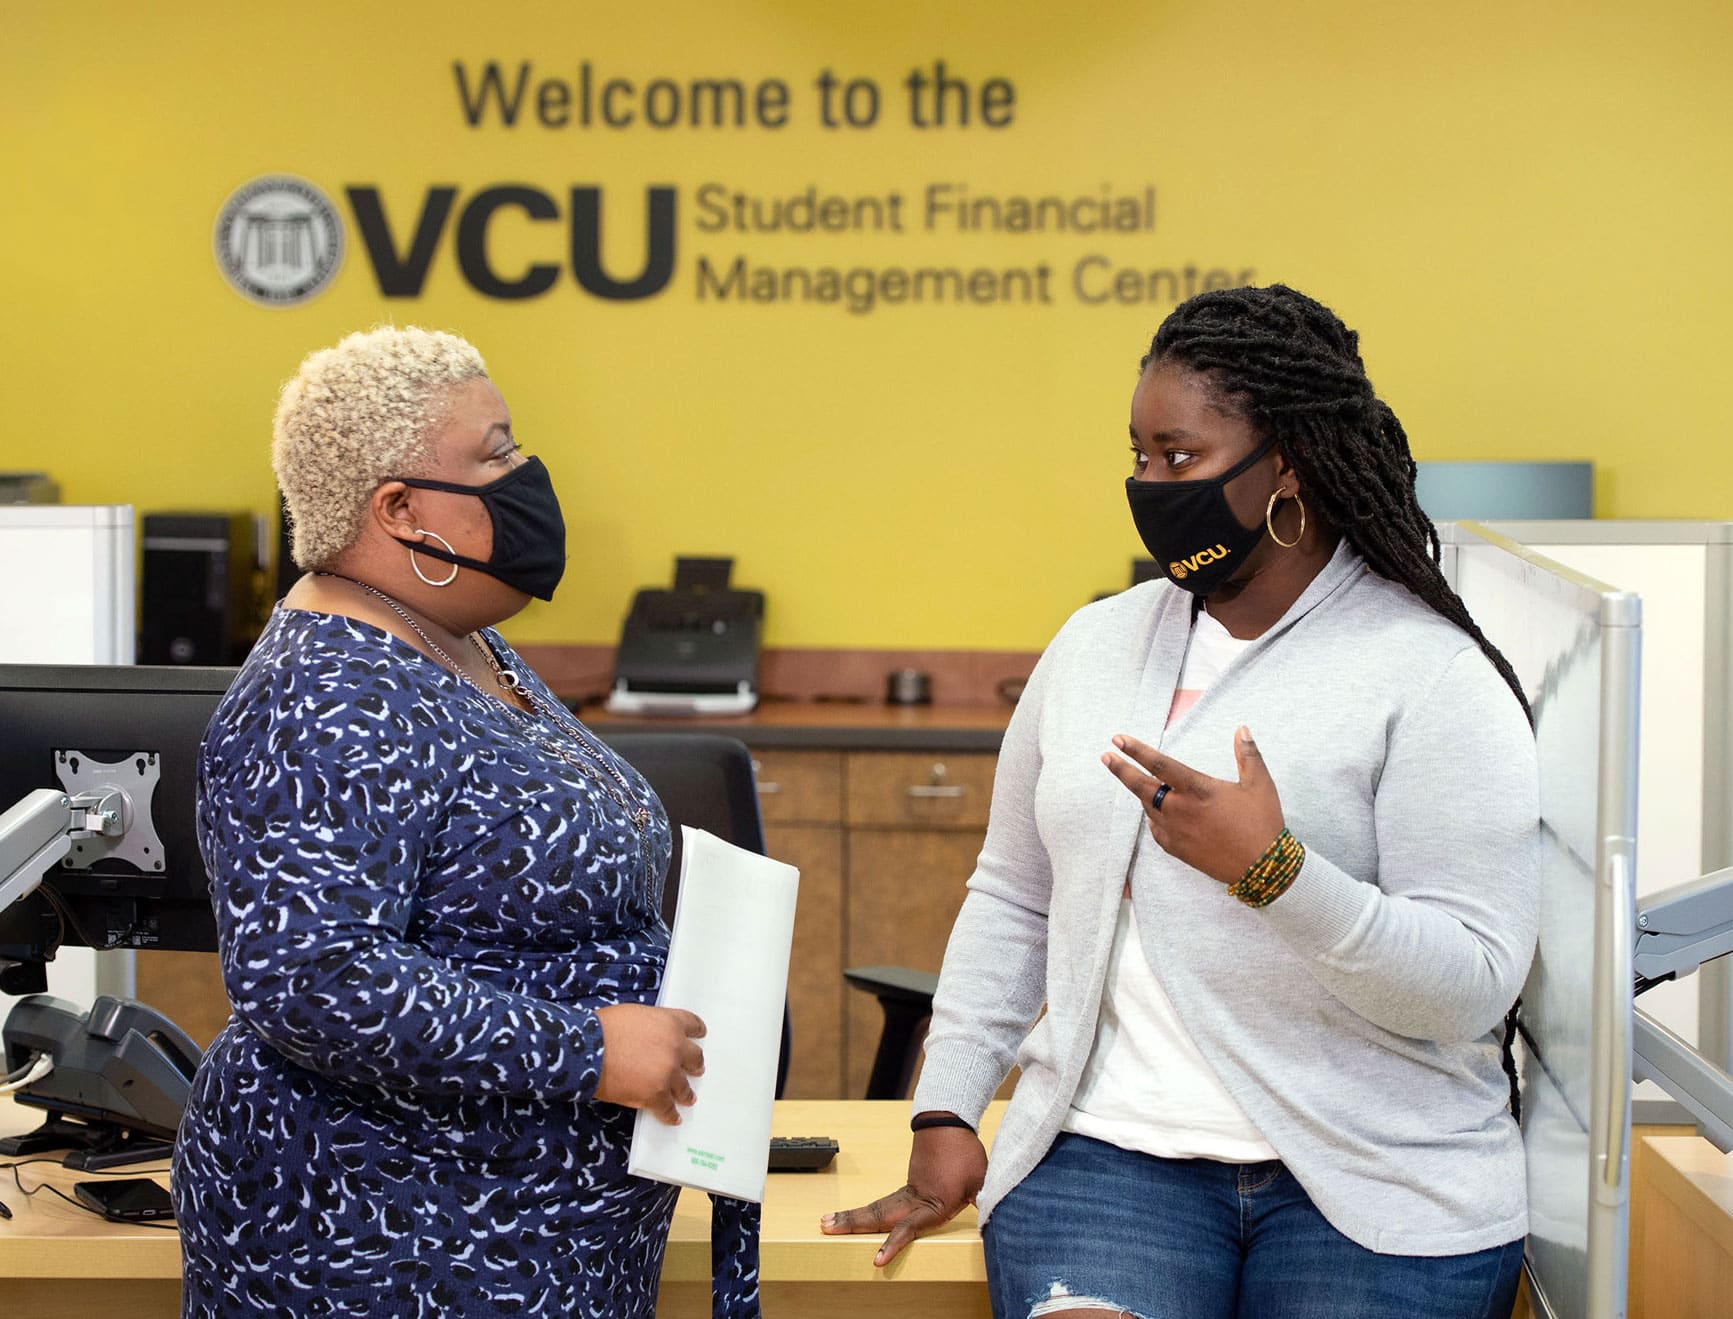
pixel 1270 522
pixel 433 535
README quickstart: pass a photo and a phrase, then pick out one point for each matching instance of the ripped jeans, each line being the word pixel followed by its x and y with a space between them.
pixel 1095 1226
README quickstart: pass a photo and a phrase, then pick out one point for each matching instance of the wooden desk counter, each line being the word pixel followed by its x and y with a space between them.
pixel 807 1274
pixel 58 1262
pixel 1682 1230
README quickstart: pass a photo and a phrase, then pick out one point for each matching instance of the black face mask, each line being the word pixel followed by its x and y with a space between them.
pixel 1190 531
pixel 529 535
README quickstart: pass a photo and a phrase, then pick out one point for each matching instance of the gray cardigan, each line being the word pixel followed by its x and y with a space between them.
pixel 1357 1018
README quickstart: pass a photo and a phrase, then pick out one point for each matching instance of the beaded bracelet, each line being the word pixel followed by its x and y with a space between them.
pixel 1267 878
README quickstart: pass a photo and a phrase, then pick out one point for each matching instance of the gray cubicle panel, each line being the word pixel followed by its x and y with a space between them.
pixel 1683 570
pixel 1575 644
pixel 66 584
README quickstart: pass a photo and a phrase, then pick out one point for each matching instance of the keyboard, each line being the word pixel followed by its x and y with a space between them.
pixel 801 1153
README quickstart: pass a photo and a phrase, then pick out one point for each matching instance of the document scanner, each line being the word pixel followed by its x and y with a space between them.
pixel 692 650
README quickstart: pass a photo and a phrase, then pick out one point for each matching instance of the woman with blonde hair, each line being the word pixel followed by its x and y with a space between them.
pixel 437 899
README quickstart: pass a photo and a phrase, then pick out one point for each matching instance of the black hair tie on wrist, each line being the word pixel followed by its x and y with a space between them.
pixel 939 1120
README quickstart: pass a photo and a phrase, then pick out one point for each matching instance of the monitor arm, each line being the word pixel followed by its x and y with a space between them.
pixel 1682 927
pixel 39 829
pixel 1676 931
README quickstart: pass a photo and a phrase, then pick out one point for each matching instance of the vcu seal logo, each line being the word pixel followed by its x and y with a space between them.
pixel 278 240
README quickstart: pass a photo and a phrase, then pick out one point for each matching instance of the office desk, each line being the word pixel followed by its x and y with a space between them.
pixel 806 1275
pixel 1681 1230
pixel 58 1262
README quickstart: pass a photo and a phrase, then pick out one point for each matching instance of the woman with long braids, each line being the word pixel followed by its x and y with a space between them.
pixel 1262 845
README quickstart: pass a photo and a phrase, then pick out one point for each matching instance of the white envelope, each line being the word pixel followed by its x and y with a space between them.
pixel 728 962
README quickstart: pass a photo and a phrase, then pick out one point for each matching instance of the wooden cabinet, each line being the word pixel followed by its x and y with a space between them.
pixel 800 797
pixel 799 787
pixel 915 824
pixel 918 790
pixel 904 889
pixel 884 841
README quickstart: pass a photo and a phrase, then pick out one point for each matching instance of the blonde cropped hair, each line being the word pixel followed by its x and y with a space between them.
pixel 353 416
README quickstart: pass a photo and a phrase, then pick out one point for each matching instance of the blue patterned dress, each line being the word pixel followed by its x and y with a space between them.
pixel 421 903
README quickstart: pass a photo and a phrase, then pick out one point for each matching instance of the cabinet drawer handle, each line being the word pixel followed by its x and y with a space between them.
pixel 764 789
pixel 937 787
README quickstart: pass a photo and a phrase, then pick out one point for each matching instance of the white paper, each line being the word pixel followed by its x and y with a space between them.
pixel 727 962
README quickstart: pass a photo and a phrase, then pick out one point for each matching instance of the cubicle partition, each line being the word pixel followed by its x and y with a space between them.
pixel 1575 644
pixel 66 583
pixel 1683 570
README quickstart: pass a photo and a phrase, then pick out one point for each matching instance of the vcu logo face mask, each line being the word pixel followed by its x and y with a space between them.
pixel 1180 569
pixel 1189 529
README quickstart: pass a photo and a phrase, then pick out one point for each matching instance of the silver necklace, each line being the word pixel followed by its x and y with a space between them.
pixel 594 759
pixel 560 718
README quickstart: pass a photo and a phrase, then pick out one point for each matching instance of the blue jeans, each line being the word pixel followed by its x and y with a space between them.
pixel 1195 1239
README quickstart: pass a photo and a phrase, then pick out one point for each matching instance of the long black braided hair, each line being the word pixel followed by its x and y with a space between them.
pixel 1292 368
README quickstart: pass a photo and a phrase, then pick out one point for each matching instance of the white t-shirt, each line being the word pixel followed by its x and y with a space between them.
pixel 1146 1087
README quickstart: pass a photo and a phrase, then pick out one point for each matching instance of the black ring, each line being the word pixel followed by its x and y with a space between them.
pixel 1160 793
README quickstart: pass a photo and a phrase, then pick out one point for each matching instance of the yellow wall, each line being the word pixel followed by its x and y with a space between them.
pixel 1522 207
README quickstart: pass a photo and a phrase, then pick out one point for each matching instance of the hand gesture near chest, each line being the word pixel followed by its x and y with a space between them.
pixel 1218 826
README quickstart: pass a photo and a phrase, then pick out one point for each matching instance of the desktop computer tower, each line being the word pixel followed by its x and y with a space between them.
pixel 197 592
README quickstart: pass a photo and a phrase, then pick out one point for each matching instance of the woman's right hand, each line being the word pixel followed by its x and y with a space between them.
pixel 946 1168
pixel 648 1056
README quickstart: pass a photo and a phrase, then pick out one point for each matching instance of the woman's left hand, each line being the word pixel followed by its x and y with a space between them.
pixel 1213 825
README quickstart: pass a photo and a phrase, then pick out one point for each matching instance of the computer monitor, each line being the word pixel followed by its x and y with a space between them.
pixel 83 728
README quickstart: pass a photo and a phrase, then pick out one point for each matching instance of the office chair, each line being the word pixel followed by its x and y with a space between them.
pixel 706 781
pixel 907 999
